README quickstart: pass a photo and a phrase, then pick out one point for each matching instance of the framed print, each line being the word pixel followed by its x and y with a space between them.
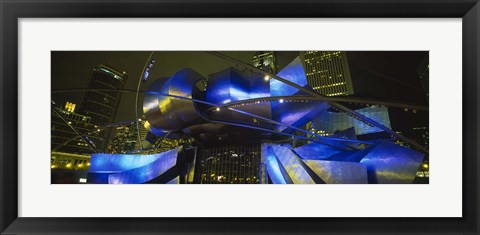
pixel 207 116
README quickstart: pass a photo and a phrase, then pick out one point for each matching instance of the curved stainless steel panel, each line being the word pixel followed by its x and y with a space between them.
pixel 169 113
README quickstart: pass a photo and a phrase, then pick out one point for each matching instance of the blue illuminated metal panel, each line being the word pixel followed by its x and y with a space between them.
pixel 315 151
pixel 119 162
pixel 273 167
pixel 333 172
pixel 227 86
pixel 293 72
pixel 176 180
pixel 259 87
pixel 292 165
pixel 350 156
pixel 231 85
pixel 148 172
pixel 388 163
pixel 297 113
pixel 293 113
pixel 130 168
pixel 168 113
pixel 333 121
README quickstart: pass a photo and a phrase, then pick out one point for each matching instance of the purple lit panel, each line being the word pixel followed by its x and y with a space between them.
pixel 339 172
pixel 293 72
pixel 315 151
pixel 388 163
pixel 130 168
pixel 165 161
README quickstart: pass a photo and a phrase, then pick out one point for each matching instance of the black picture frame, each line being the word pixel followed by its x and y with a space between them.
pixel 12 10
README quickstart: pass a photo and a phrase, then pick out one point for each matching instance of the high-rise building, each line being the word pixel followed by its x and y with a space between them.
pixel 232 164
pixel 423 73
pixel 123 139
pixel 328 72
pixel 265 60
pixel 102 103
pixel 64 127
pixel 143 134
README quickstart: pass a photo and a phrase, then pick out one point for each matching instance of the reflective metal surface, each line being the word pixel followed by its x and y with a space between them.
pixel 392 164
pixel 292 165
pixel 333 172
pixel 293 72
pixel 315 151
pixel 231 110
pixel 168 113
pixel 129 168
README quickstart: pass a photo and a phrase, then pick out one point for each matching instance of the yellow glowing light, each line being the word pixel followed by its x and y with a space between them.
pixel 217 109
pixel 98 130
pixel 53 166
pixel 425 165
pixel 69 165
pixel 266 78
pixel 70 107
pixel 80 165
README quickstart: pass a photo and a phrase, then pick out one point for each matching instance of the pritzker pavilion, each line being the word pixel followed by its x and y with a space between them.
pixel 251 126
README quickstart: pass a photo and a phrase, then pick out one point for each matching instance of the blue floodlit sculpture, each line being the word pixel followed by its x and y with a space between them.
pixel 232 106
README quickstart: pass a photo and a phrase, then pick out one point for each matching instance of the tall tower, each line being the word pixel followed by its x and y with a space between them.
pixel 328 72
pixel 265 60
pixel 102 105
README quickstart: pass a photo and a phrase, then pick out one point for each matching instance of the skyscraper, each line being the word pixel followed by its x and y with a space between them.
pixel 265 60
pixel 328 72
pixel 102 104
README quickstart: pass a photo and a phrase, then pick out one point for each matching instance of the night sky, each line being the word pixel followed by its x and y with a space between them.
pixel 73 69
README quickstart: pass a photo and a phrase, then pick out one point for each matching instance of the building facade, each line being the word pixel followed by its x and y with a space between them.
pixel 63 135
pixel 232 164
pixel 328 72
pixel 123 139
pixel 265 60
pixel 102 104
